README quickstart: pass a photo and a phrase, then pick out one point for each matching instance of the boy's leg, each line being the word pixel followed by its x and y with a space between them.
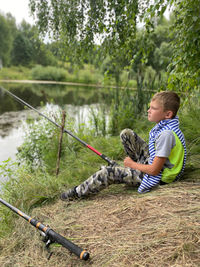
pixel 103 178
pixel 135 147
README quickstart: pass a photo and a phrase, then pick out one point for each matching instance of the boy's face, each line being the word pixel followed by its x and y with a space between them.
pixel 156 112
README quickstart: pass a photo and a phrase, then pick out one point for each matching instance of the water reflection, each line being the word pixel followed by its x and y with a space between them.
pixel 37 94
pixel 10 143
pixel 14 135
pixel 77 101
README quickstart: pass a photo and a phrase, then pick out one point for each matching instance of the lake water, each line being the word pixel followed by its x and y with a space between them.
pixel 10 143
pixel 77 101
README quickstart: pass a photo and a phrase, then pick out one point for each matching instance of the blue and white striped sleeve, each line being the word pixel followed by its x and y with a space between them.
pixel 148 182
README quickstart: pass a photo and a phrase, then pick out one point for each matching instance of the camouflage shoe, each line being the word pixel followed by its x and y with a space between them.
pixel 69 195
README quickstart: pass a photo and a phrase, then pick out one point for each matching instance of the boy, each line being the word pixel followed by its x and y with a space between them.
pixel 160 162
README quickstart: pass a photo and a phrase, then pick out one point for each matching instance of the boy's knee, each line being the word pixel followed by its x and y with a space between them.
pixel 126 132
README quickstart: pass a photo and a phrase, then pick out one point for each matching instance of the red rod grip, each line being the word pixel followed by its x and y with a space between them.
pixel 94 150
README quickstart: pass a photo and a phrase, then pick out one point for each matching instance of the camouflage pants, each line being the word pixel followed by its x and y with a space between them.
pixel 137 149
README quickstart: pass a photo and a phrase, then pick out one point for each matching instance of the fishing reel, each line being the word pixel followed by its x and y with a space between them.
pixel 48 242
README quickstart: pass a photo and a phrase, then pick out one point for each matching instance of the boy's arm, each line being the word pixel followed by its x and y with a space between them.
pixel 152 176
pixel 164 143
pixel 151 169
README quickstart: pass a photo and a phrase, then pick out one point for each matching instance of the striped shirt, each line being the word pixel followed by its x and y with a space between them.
pixel 149 181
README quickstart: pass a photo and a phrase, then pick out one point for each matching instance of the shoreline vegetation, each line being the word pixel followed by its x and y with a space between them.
pixel 118 227
pixel 64 83
pixel 87 76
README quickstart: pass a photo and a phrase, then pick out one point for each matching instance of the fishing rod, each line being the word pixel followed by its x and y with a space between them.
pixel 50 236
pixel 104 157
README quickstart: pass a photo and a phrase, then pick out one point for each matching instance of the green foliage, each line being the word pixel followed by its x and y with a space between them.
pixel 35 51
pixel 185 71
pixel 162 56
pixel 184 68
pixel 22 50
pixel 99 120
pixel 77 26
pixel 126 108
pixel 114 23
pixel 122 112
pixel 15 73
pixel 6 169
pixel 39 148
pixel 125 81
pixel 22 45
pixel 88 75
pixel 190 124
pixel 5 39
pixel 43 56
pixel 49 73
pixel 27 188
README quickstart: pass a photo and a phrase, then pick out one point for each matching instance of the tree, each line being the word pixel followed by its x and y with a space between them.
pixel 81 23
pixel 28 47
pixel 184 71
pixel 185 66
pixel 5 40
pixel 22 50
pixel 162 57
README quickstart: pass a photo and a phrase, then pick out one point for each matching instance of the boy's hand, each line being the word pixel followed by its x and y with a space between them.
pixel 128 162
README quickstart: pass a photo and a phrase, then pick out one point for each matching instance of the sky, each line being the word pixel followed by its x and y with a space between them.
pixel 18 8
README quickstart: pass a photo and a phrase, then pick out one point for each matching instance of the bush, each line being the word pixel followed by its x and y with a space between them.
pixel 126 80
pixel 87 75
pixel 40 146
pixel 15 73
pixel 49 73
pixel 189 117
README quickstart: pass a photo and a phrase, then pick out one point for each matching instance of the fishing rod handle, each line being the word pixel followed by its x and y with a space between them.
pixel 52 235
pixel 55 237
pixel 110 162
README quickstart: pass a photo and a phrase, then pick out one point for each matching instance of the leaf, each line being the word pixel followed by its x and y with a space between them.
pixel 195 18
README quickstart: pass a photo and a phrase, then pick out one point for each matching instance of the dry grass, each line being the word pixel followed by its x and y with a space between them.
pixel 161 228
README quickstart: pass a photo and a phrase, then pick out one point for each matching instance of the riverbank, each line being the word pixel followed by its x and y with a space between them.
pixel 66 83
pixel 50 82
pixel 86 76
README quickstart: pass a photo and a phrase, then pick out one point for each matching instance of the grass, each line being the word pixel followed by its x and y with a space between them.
pixel 117 227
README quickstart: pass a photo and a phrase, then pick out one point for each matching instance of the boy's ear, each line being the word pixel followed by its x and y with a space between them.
pixel 169 114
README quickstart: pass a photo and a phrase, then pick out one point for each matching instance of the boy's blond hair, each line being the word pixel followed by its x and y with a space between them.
pixel 169 100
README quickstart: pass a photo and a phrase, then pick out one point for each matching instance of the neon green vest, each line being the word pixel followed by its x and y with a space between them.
pixel 176 158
